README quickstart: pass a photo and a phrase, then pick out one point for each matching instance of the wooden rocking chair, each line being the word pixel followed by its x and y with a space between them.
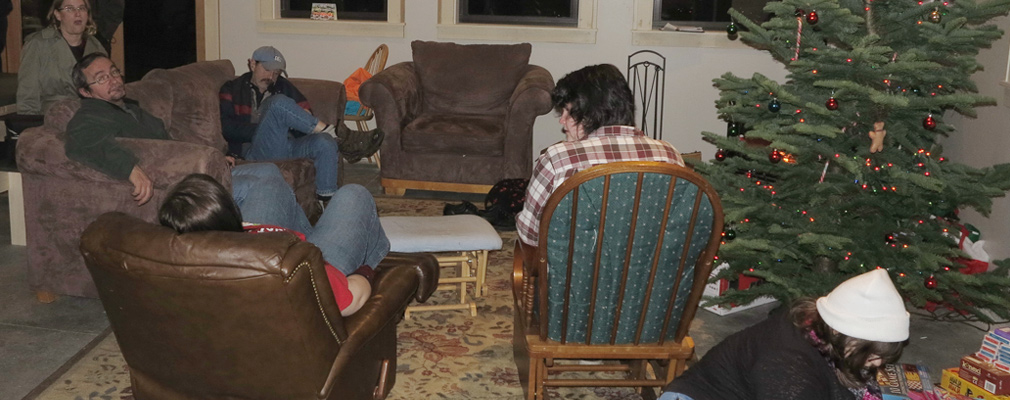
pixel 624 253
pixel 376 63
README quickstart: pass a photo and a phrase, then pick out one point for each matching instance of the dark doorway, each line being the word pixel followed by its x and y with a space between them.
pixel 158 34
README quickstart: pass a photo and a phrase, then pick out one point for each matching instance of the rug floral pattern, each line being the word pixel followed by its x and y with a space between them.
pixel 440 354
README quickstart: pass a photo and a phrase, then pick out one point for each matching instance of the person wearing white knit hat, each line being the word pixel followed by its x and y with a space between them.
pixel 828 348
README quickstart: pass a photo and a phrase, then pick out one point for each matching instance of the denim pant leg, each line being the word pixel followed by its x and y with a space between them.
pixel 279 115
pixel 264 197
pixel 349 232
pixel 271 142
pixel 674 396
pixel 322 150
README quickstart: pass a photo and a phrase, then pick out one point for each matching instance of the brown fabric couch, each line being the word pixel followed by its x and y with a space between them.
pixel 63 196
pixel 229 315
pixel 458 117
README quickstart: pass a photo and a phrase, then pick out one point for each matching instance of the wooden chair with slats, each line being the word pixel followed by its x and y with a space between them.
pixel 624 252
pixel 376 63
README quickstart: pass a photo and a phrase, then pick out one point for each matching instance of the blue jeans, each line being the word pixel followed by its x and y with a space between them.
pixel 272 142
pixel 674 396
pixel 348 233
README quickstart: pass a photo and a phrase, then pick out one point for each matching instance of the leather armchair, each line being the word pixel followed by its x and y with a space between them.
pixel 227 315
pixel 458 117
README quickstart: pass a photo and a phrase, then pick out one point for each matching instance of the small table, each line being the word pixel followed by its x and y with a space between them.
pixel 467 238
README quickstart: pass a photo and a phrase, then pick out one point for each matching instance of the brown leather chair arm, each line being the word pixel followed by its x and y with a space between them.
pixel 424 265
pixel 41 152
pixel 397 277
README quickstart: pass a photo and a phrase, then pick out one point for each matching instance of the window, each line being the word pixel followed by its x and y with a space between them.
pixel 520 12
pixel 558 21
pixel 354 10
pixel 708 14
pixel 377 18
pixel 645 33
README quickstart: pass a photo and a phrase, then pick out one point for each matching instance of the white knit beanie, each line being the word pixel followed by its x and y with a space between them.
pixel 866 307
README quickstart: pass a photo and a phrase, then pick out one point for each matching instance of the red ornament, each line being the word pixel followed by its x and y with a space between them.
pixel 929 123
pixel 775 156
pixel 831 104
pixel 812 18
pixel 799 12
pixel 720 155
pixel 930 282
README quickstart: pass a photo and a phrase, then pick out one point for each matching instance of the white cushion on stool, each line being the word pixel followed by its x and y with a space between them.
pixel 442 233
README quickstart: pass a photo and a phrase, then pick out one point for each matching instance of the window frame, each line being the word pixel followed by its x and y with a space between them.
pixel 450 28
pixel 271 21
pixel 643 33
pixel 464 17
pixel 355 15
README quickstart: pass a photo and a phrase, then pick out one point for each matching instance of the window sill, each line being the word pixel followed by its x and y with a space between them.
pixel 713 39
pixel 516 33
pixel 333 28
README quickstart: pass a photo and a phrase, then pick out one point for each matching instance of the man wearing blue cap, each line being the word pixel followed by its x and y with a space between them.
pixel 261 107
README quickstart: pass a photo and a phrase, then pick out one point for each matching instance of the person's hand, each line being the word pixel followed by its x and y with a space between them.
pixel 230 160
pixel 143 189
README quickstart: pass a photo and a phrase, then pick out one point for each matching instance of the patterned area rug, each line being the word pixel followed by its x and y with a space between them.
pixel 441 354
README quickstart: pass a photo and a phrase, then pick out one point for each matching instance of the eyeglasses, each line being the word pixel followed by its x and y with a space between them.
pixel 70 9
pixel 105 78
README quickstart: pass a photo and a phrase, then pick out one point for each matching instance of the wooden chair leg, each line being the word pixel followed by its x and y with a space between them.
pixel 45 297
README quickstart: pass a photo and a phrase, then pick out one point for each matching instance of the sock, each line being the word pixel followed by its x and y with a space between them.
pixel 367 272
pixel 330 130
pixel 324 200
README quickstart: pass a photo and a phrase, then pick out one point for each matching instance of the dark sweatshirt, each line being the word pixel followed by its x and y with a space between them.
pixel 768 361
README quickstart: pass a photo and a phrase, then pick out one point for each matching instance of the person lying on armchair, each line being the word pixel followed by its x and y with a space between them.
pixel 200 203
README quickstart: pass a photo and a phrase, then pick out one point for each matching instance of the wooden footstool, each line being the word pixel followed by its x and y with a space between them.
pixel 469 237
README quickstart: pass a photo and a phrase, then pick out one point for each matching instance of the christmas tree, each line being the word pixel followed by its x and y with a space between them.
pixel 838 170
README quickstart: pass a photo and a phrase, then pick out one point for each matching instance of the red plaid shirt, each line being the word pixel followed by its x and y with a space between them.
pixel 562 160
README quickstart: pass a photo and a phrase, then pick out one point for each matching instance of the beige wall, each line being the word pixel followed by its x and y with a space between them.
pixel 985 141
pixel 690 96
pixel 689 93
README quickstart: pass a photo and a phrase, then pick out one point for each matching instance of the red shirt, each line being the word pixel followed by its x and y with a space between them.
pixel 337 279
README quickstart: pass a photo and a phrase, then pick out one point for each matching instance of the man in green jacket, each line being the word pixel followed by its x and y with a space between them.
pixel 104 105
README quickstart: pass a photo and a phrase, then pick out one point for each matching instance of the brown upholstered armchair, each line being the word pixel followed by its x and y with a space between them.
pixel 458 117
pixel 62 196
pixel 229 315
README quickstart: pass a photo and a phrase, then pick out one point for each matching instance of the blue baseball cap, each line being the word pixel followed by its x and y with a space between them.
pixel 270 58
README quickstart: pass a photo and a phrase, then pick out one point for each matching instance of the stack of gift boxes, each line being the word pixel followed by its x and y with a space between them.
pixel 985 374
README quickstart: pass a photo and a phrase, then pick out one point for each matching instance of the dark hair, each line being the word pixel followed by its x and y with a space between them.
pixel 80 80
pixel 597 96
pixel 200 203
pixel 854 374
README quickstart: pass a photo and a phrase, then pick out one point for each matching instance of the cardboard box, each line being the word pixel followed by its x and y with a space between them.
pixel 984 375
pixel 716 289
pixel 952 382
pixel 905 382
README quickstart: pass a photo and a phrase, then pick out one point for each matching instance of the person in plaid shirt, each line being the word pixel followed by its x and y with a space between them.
pixel 597 117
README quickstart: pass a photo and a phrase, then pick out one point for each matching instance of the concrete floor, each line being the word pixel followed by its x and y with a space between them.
pixel 37 339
